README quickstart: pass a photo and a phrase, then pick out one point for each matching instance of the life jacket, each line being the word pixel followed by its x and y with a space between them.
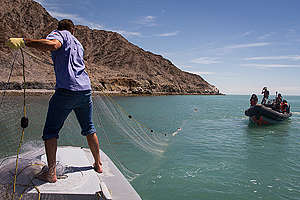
pixel 283 107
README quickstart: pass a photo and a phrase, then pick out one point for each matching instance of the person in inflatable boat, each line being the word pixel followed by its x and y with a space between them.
pixel 266 94
pixel 253 100
pixel 284 107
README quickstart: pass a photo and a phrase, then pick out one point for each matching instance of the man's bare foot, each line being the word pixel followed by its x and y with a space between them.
pixel 47 175
pixel 98 167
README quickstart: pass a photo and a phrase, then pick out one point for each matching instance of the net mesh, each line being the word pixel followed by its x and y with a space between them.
pixel 115 127
pixel 116 130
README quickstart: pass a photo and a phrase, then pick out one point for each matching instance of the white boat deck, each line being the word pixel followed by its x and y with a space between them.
pixel 80 181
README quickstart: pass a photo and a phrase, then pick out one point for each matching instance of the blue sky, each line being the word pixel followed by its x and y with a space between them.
pixel 238 46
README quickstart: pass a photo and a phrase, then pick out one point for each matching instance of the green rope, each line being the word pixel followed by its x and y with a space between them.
pixel 23 126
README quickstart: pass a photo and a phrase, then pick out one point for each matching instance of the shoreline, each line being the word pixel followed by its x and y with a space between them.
pixel 44 92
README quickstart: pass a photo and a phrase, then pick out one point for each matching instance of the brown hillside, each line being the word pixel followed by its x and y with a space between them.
pixel 113 63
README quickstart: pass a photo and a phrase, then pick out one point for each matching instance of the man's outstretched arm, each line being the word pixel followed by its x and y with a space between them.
pixel 42 44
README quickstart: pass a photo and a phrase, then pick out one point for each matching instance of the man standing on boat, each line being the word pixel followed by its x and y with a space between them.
pixel 72 92
pixel 266 94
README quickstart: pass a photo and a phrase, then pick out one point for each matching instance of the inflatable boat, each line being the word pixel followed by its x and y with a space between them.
pixel 263 115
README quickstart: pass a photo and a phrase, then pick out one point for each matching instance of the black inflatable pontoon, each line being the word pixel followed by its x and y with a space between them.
pixel 260 114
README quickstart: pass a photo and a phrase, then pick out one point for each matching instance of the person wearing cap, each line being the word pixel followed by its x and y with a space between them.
pixel 72 92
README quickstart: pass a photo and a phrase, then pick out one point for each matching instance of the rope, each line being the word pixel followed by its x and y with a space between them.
pixel 24 124
pixel 11 70
pixel 38 59
pixel 29 186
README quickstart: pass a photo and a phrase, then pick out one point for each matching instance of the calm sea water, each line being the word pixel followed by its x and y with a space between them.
pixel 209 151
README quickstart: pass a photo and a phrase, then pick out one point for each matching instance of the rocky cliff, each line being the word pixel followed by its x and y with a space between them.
pixel 113 63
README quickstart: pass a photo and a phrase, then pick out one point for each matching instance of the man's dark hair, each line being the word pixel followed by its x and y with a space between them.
pixel 65 24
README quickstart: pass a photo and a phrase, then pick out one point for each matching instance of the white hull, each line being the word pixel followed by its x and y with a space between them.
pixel 80 181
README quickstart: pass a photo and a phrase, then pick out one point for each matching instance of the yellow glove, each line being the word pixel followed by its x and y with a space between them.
pixel 15 43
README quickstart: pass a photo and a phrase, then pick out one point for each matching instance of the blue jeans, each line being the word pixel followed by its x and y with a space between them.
pixel 61 105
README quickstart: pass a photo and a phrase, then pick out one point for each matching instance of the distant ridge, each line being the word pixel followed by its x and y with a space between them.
pixel 113 63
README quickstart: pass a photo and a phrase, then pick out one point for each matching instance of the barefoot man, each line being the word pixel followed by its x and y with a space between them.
pixel 72 92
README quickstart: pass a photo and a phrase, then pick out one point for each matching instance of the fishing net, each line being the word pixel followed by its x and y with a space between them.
pixel 145 138
pixel 117 129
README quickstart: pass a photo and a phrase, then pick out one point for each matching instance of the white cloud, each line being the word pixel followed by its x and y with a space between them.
pixel 265 36
pixel 65 16
pixel 168 34
pixel 95 26
pixel 206 60
pixel 289 57
pixel 291 30
pixel 201 73
pixel 204 73
pixel 79 20
pixel 54 6
pixel 127 33
pixel 147 21
pixel 76 19
pixel 247 33
pixel 90 24
pixel 149 18
pixel 265 66
pixel 239 46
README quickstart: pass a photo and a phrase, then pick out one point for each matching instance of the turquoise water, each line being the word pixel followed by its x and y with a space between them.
pixel 207 149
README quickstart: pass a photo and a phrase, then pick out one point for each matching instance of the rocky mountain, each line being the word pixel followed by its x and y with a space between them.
pixel 113 63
